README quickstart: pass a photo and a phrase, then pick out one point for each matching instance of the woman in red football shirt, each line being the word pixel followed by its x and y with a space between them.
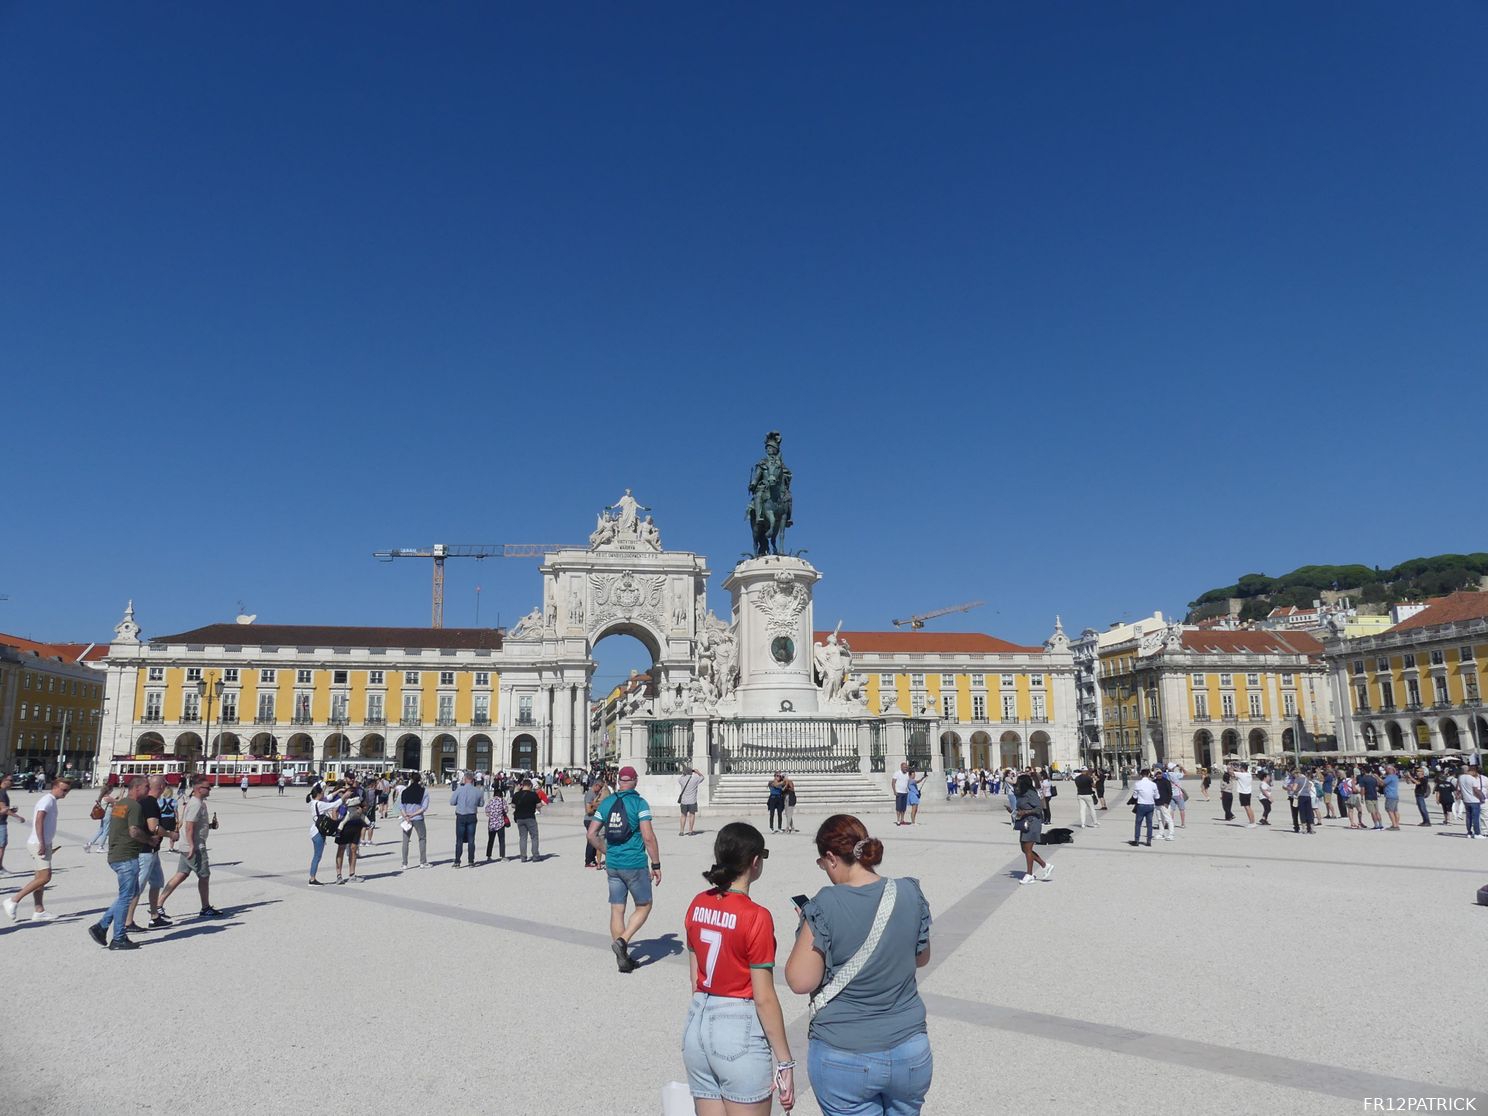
pixel 734 1043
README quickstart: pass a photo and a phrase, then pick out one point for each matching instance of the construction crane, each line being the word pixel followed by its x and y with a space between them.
pixel 440 551
pixel 917 622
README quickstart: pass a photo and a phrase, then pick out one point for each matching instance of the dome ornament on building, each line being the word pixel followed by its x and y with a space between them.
pixel 126 630
pixel 625 529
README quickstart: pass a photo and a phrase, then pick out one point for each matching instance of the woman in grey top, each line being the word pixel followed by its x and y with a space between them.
pixel 869 1051
pixel 1028 820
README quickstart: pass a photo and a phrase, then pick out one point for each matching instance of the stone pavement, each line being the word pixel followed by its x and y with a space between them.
pixel 1231 971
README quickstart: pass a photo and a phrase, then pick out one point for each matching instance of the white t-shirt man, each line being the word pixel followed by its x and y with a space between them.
pixel 1242 782
pixel 45 822
pixel 1473 788
pixel 901 782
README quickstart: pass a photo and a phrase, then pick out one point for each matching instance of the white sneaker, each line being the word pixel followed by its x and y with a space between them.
pixel 1048 873
pixel 10 909
pixel 43 916
pixel 1252 825
pixel 1027 877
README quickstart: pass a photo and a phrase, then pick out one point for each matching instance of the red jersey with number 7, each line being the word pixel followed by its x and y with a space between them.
pixel 730 934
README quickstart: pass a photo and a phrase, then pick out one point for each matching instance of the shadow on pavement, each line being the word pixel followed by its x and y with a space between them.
pixel 655 949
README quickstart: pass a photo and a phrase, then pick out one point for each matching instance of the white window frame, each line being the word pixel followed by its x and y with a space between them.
pixel 886 681
pixel 1255 703
pixel 1227 704
pixel 340 678
pixel 1039 710
pixel 948 706
pixel 947 680
pixel 979 681
pixel 483 678
pixel 230 674
pixel 376 678
pixel 1009 681
pixel 376 707
pixel 446 678
pixel 304 677
pixel 268 677
pixel 412 678
pixel 1200 680
pixel 1289 704
pixel 978 707
pixel 1201 703
pixel 152 674
pixel 916 681
pixel 1226 679
pixel 193 674
pixel 1252 679
pixel 1009 708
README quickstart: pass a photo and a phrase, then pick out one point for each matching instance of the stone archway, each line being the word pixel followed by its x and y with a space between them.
pixel 1395 736
pixel 981 750
pixel 1203 743
pixel 1257 742
pixel 950 750
pixel 523 753
pixel 1229 742
pixel 1038 744
pixel 188 746
pixel 301 745
pixel 264 744
pixel 1451 737
pixel 1420 736
pixel 226 744
pixel 410 752
pixel 622 584
pixel 372 746
pixel 1010 750
pixel 446 750
pixel 150 744
pixel 478 753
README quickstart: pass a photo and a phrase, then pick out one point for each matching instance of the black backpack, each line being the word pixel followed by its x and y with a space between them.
pixel 617 828
pixel 326 823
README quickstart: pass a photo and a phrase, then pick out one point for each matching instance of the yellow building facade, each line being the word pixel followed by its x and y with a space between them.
pixel 1417 689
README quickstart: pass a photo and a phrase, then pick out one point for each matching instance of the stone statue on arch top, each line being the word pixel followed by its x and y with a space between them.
pixel 770 499
pixel 627 506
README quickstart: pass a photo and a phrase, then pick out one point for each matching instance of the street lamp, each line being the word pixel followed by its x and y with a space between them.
pixel 203 693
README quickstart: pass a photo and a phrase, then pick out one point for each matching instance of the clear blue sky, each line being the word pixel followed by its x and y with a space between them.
pixel 1076 308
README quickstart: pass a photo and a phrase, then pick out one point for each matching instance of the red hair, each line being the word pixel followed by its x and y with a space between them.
pixel 847 839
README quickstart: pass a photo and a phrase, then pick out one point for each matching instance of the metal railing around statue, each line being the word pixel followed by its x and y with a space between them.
pixel 917 741
pixel 668 747
pixel 800 747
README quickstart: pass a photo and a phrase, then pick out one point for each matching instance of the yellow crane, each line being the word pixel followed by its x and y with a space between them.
pixel 917 621
pixel 440 551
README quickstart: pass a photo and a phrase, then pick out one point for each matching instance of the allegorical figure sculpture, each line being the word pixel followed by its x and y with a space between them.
pixel 770 498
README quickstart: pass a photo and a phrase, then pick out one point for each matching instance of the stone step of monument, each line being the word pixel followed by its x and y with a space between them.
pixel 846 793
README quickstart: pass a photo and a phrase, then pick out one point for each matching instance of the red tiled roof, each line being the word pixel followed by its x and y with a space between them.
pixel 67 652
pixel 310 635
pixel 1466 605
pixel 1253 643
pixel 930 643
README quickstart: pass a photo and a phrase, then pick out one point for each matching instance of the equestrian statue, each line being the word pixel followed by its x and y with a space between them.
pixel 770 499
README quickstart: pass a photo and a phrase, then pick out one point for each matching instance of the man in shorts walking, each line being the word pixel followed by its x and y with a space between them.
pixel 901 793
pixel 622 830
pixel 195 821
pixel 688 782
pixel 39 845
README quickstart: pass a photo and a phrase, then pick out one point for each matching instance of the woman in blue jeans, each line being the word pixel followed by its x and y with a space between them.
pixel 869 1052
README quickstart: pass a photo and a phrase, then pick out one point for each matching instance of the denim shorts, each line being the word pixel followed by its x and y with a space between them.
pixel 150 872
pixel 635 881
pixel 893 1081
pixel 725 1050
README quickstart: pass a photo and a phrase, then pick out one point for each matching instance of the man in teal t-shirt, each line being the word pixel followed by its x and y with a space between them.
pixel 621 829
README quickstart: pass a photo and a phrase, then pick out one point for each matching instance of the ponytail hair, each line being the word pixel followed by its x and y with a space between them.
pixel 734 852
pixel 845 837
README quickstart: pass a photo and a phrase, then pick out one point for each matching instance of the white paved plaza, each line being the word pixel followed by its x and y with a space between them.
pixel 1231 971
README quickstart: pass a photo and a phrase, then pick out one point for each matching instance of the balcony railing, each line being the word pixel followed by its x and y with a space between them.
pixel 375 719
pixel 229 718
pixel 302 719
pixel 1412 707
pixel 411 722
pixel 480 719
pixel 1201 717
pixel 1230 717
pixel 190 718
pixel 1387 707
pixel 444 722
pixel 1038 720
pixel 264 719
pixel 151 719
pixel 527 720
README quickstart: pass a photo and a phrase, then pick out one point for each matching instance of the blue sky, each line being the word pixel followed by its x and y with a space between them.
pixel 1080 309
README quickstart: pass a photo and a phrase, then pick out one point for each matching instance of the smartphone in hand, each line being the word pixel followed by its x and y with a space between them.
pixel 799 901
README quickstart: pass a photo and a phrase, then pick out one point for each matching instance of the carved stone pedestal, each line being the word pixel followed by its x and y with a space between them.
pixel 773 617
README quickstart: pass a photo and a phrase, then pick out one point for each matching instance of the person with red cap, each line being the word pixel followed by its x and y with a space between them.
pixel 621 829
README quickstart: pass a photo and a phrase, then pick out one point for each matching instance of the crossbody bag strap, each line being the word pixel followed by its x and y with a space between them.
pixel 844 976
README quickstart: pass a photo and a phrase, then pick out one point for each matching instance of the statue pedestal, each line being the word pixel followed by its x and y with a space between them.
pixel 773 613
